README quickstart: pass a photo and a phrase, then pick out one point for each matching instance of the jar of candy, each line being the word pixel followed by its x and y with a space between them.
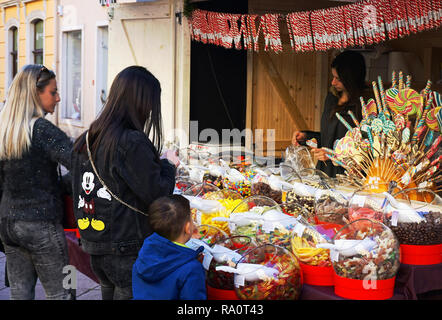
pixel 304 239
pixel 261 186
pixel 276 227
pixel 200 189
pixel 267 272
pixel 227 252
pixel 331 206
pixel 209 234
pixel 182 184
pixel 366 204
pixel 415 216
pixel 295 210
pixel 367 251
pixel 248 213
pixel 299 157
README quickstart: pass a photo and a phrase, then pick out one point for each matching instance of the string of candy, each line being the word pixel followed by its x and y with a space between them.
pixel 358 24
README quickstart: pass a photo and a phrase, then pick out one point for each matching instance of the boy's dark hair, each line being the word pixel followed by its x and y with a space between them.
pixel 168 215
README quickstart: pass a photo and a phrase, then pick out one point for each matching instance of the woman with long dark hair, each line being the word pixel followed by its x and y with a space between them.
pixel 348 85
pixel 117 172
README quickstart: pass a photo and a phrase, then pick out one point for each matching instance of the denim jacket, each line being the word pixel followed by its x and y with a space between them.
pixel 138 177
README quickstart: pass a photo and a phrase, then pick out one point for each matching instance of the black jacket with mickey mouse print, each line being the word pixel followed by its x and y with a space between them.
pixel 138 178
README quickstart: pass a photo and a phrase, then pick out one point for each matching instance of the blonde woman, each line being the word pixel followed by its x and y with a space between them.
pixel 30 207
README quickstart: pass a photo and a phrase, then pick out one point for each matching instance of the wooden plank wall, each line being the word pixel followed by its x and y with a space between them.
pixel 287 89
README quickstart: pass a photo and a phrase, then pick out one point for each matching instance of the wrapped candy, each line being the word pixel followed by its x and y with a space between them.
pixel 267 272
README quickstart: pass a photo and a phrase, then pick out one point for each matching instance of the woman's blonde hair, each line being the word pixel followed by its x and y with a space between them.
pixel 22 104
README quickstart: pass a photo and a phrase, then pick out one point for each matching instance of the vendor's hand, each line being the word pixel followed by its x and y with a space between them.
pixel 171 156
pixel 298 136
pixel 319 154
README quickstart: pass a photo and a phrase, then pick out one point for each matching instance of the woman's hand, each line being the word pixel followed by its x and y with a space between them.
pixel 171 156
pixel 298 136
pixel 319 154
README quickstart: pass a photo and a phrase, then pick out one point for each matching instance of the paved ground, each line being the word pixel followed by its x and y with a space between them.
pixel 87 289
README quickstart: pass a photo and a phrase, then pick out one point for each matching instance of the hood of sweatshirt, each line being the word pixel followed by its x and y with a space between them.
pixel 160 257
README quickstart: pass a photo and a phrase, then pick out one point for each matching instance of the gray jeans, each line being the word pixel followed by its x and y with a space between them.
pixel 35 249
pixel 115 275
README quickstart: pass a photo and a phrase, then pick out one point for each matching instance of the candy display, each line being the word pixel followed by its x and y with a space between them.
pixel 182 184
pixel 294 209
pixel 276 227
pixel 267 272
pixel 230 251
pixel 299 158
pixel 366 204
pixel 364 250
pixel 198 190
pixel 402 146
pixel 209 234
pixel 247 214
pixel 331 206
pixel 240 182
pixel 261 186
pixel 303 245
pixel 304 196
pixel 415 222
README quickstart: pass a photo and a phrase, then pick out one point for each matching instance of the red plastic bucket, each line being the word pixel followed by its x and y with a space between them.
pixel 364 289
pixel 317 276
pixel 421 255
pixel 220 294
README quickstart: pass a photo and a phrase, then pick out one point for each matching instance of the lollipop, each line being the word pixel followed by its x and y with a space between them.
pixel 389 126
pixel 431 119
pixel 390 96
pixel 437 99
pixel 399 121
pixel 371 108
pixel 408 102
pixel 345 147
pixel 376 126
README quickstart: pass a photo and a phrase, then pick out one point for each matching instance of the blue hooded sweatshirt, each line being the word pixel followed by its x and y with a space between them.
pixel 167 271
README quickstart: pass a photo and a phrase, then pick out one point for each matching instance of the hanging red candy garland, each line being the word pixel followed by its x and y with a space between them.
pixel 358 24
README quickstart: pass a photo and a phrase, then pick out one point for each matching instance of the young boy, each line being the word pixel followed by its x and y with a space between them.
pixel 165 268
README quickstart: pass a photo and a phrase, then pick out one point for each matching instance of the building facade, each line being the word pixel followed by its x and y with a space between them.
pixel 67 36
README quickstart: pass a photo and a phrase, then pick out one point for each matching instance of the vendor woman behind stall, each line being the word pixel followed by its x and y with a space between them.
pixel 347 86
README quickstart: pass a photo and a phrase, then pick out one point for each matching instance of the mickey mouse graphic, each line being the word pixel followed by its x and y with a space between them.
pixel 88 203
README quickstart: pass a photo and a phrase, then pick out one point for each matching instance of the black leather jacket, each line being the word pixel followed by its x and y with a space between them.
pixel 138 177
pixel 29 187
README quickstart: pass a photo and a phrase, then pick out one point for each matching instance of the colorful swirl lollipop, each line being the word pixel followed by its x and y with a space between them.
pixel 399 121
pixel 390 96
pixel 371 108
pixel 408 102
pixel 437 99
pixel 389 126
pixel 431 119
pixel 345 147
pixel 376 126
